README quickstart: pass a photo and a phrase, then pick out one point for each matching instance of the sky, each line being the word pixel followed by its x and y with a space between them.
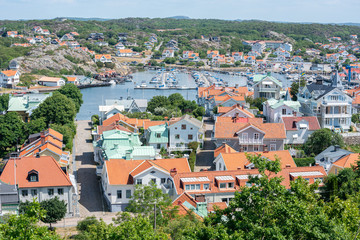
pixel 321 11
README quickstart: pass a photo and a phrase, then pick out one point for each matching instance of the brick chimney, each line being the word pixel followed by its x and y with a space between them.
pixel 173 172
pixel 42 136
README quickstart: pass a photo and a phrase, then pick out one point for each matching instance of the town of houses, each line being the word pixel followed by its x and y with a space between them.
pixel 129 151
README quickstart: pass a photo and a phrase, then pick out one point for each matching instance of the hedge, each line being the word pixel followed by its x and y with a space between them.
pixel 304 162
pixel 192 160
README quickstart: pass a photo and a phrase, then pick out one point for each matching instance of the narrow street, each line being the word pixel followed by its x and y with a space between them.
pixel 91 200
pixel 205 157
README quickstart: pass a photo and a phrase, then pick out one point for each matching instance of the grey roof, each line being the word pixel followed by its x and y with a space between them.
pixel 319 90
pixel 192 120
pixel 336 81
pixel 334 152
pixel 141 103
pixel 8 193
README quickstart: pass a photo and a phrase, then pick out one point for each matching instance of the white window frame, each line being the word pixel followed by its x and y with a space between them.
pixel 272 147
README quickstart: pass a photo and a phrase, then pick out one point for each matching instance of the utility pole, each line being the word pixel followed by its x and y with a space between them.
pixel 154 216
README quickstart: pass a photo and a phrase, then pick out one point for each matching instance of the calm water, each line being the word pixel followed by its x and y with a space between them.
pixel 93 97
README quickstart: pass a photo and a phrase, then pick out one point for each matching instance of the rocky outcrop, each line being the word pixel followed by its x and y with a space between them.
pixel 55 58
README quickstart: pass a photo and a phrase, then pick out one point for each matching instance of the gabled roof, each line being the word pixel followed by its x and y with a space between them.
pixel 150 123
pixel 348 161
pixel 259 78
pixel 224 149
pixel 225 110
pixel 9 73
pixel 50 173
pixel 188 118
pixel 238 160
pixel 49 79
pixel 229 130
pixel 274 104
pixel 112 126
pixel 290 123
pixel 120 171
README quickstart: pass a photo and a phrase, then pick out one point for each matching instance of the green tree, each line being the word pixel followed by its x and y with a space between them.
pixel 12 132
pixel 176 99
pixel 56 109
pixel 322 139
pixel 4 102
pixel 72 92
pixel 35 126
pixel 355 118
pixel 267 210
pixel 24 226
pixel 157 101
pixel 295 88
pixel 199 112
pixel 99 64
pixel 68 131
pixel 148 200
pixel 55 210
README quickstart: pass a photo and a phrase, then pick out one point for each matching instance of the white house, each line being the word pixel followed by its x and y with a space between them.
pixel 168 53
pixel 124 53
pixel 119 177
pixel 104 58
pixel 183 131
pixel 41 177
pixel 266 86
pixel 298 129
pixel 250 60
pixel 287 47
pixel 274 109
pixel 51 81
pixel 119 45
pixel 9 78
pixel 238 56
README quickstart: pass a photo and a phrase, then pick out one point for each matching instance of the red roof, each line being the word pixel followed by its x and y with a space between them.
pixel 290 123
pixel 49 172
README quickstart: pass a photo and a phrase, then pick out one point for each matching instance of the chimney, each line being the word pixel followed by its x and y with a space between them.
pixel 173 172
pixel 42 136
pixel 317 164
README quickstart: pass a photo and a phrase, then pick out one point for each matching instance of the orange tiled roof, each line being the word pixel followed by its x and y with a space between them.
pixel 125 51
pixel 234 161
pixel 223 149
pixel 112 126
pixel 9 73
pixel 285 173
pixel 229 130
pixel 356 100
pixel 224 110
pixel 114 118
pixel 71 79
pixel 120 171
pixel 150 123
pixel 50 173
pixel 348 161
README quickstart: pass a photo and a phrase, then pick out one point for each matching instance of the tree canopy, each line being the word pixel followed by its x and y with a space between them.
pixel 73 93
pixel 322 139
pixel 55 210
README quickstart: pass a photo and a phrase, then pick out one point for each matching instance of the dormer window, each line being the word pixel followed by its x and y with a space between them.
pixel 158 135
pixel 33 176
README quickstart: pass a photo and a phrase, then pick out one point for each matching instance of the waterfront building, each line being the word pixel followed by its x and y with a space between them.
pixel 9 78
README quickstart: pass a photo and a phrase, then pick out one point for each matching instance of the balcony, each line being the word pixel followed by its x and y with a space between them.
pixel 268 89
pixel 251 141
pixel 182 148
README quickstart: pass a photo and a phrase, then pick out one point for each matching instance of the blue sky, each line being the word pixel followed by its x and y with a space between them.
pixel 324 11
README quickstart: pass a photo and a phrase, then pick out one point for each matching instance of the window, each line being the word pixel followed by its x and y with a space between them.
pixel 128 193
pixel 60 191
pixel 190 137
pixel 163 180
pixel 197 186
pixel 206 186
pixel 307 179
pixel 245 136
pixel 33 176
pixel 248 184
pixel 119 194
pixel 327 121
pixel 183 127
pixel 245 148
pixel 51 191
pixel 256 136
pixel 283 111
pixel 139 181
pixel 158 135
pixel 230 185
pixel 192 186
pixel 256 148
pixel 177 136
pixel 336 171
pixel 272 147
pixel 191 128
pixel 158 146
pixel 224 200
pixel 154 180
pixel 187 187
pixel 220 166
pixel 222 185
pixel 24 193
pixel 33 192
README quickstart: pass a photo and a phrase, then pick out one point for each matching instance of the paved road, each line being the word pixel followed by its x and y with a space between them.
pixel 91 201
pixel 205 158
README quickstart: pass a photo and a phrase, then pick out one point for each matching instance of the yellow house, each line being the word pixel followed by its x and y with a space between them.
pixel 345 162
